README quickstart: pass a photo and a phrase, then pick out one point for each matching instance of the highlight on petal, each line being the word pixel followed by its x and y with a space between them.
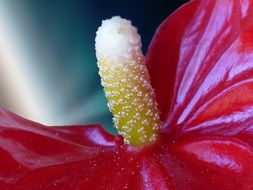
pixel 221 153
pixel 153 175
pixel 30 148
pixel 221 162
pixel 200 62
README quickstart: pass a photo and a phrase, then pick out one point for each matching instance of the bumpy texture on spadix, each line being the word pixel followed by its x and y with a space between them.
pixel 126 81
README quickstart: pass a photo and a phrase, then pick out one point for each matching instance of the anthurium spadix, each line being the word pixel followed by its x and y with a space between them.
pixel 184 111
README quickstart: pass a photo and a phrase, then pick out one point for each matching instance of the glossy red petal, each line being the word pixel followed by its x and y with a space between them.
pixel 219 162
pixel 109 170
pixel 80 157
pixel 36 157
pixel 62 158
pixel 200 63
pixel 151 174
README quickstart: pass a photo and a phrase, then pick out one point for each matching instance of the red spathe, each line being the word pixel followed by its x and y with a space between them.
pixel 201 66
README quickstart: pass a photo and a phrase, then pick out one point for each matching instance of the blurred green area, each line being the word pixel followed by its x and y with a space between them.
pixel 58 37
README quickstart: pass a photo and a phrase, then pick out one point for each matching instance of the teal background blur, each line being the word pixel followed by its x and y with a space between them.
pixel 48 69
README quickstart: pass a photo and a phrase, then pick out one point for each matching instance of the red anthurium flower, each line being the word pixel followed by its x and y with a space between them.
pixel 200 64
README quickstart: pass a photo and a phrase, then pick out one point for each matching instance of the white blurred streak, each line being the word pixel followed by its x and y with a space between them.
pixel 14 68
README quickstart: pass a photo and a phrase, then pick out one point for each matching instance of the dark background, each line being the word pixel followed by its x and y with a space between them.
pixel 54 54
